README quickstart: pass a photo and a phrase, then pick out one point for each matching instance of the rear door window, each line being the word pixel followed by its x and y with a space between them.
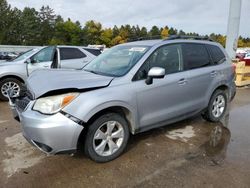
pixel 71 53
pixel 216 53
pixel 195 56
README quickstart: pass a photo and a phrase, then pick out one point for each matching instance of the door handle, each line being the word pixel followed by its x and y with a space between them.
pixel 213 73
pixel 46 66
pixel 182 81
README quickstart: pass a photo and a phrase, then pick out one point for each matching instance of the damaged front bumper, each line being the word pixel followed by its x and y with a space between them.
pixel 51 134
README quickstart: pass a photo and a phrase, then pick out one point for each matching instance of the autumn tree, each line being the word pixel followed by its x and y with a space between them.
pixel 41 27
pixel 164 33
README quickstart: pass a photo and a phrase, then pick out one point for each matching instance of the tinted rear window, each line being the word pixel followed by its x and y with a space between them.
pixel 95 52
pixel 216 53
pixel 195 56
pixel 71 53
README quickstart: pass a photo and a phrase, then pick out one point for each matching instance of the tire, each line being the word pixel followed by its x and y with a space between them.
pixel 10 82
pixel 211 114
pixel 97 144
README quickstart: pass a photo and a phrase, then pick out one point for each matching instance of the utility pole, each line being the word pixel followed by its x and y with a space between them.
pixel 233 27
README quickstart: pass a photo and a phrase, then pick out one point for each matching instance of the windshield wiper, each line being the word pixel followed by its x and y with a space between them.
pixel 92 71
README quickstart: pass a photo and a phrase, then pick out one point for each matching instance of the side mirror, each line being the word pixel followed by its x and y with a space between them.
pixel 32 61
pixel 155 72
pixel 28 61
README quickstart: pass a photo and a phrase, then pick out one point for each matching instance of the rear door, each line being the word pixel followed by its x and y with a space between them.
pixel 72 58
pixel 201 73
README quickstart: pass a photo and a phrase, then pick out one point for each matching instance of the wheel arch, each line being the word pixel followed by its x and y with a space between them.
pixel 223 87
pixel 119 109
pixel 126 112
pixel 13 76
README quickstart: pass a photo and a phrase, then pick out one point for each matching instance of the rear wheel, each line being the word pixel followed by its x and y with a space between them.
pixel 217 106
pixel 9 84
pixel 107 137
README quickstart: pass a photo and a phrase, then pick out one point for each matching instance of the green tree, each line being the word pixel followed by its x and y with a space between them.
pixel 47 24
pixel 67 33
pixel 93 32
pixel 124 34
pixel 106 37
pixel 144 32
pixel 30 27
pixel 4 20
pixel 155 32
pixel 115 31
pixel 172 31
pixel 181 32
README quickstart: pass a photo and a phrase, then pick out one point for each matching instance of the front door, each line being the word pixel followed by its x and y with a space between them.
pixel 41 60
pixel 166 98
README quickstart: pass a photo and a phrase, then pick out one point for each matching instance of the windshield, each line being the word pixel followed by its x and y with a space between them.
pixel 116 61
pixel 25 55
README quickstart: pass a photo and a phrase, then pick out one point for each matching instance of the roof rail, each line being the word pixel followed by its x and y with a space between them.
pixel 154 37
pixel 174 37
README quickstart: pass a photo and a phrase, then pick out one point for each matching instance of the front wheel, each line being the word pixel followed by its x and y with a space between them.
pixel 217 106
pixel 9 84
pixel 107 137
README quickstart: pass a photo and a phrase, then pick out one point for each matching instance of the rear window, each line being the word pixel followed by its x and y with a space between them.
pixel 216 53
pixel 195 56
pixel 71 53
pixel 95 52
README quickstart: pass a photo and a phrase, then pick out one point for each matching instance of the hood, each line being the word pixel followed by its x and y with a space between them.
pixel 46 82
pixel 8 63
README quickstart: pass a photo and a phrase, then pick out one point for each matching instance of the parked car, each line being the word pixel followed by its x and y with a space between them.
pixel 247 59
pixel 7 56
pixel 14 73
pixel 94 51
pixel 131 88
pixel 244 56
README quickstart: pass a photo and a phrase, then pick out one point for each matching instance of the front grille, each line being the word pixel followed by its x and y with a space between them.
pixel 21 104
pixel 29 94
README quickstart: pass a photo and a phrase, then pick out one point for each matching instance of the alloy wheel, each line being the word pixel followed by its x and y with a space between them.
pixel 14 87
pixel 219 105
pixel 108 138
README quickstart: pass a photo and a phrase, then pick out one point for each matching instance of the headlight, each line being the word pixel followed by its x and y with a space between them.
pixel 51 105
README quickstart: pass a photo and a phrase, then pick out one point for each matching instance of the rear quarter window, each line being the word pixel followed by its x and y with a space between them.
pixel 217 54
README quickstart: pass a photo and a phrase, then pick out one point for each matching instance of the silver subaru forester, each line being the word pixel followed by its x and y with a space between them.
pixel 130 88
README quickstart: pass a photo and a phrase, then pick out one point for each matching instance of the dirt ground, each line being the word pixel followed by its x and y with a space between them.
pixel 192 153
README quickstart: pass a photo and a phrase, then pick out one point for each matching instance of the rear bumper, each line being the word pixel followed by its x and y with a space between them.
pixel 232 91
pixel 51 134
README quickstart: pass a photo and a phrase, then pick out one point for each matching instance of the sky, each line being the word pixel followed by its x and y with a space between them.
pixel 201 16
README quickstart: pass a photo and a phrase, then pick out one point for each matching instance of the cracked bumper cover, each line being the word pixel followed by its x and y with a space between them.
pixel 51 134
